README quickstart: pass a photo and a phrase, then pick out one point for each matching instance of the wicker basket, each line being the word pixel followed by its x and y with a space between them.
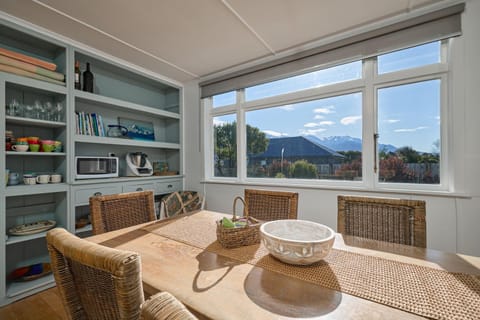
pixel 239 236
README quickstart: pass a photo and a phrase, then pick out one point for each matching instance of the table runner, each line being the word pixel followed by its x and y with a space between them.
pixel 425 291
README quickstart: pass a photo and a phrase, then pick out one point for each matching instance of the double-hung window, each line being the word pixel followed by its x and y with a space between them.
pixel 369 111
pixel 379 122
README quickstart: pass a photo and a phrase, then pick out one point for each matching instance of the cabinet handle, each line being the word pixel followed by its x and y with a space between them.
pixel 169 186
pixel 140 189
pixel 96 194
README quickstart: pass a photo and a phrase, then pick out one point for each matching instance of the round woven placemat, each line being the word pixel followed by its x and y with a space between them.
pixel 425 291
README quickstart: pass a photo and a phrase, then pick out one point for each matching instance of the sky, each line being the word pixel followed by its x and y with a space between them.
pixel 408 115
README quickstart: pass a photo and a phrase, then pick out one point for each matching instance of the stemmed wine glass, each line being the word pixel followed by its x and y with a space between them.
pixel 58 112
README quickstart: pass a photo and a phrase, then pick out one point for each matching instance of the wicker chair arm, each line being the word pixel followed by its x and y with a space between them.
pixel 165 306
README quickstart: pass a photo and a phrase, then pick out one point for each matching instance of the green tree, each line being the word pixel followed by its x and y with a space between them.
pixel 226 143
pixel 257 141
pixel 408 154
pixel 303 169
pixel 225 136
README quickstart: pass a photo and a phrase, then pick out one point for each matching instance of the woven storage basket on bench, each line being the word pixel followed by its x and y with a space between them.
pixel 239 236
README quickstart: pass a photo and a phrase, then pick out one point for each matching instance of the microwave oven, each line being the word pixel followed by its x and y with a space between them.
pixel 96 167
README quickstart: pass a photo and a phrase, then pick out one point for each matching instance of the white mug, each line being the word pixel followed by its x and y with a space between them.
pixel 56 178
pixel 29 180
pixel 43 178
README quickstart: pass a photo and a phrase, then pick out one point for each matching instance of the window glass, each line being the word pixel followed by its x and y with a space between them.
pixel 224 99
pixel 409 58
pixel 319 139
pixel 409 128
pixel 341 73
pixel 225 145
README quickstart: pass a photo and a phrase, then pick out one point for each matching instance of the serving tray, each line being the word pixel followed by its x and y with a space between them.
pixel 31 228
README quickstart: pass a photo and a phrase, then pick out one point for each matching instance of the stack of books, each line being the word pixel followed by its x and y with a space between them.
pixel 23 65
pixel 90 124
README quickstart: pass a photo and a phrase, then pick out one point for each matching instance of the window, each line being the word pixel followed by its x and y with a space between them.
pixel 374 122
pixel 294 141
pixel 224 99
pixel 225 146
pixel 341 73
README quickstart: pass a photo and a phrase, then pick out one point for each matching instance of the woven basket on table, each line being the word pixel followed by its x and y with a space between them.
pixel 239 236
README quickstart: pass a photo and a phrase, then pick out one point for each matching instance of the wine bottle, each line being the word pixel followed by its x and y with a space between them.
pixel 88 79
pixel 77 75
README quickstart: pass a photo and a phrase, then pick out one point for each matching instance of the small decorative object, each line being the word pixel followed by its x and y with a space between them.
pixel 32 228
pixel 88 79
pixel 139 130
pixel 237 232
pixel 297 242
pixel 31 272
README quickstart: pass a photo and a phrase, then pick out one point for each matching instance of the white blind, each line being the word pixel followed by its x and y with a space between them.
pixel 437 25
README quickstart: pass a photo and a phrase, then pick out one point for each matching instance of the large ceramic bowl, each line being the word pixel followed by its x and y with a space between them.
pixel 297 241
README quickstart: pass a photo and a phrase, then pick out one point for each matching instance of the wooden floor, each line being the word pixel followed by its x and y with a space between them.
pixel 45 305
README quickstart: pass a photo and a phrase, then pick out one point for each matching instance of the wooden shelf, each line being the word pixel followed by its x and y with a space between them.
pixel 35 122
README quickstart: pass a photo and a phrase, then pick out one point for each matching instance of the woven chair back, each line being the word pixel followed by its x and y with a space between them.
pixel 117 211
pixel 271 205
pixel 181 202
pixel 95 282
pixel 384 219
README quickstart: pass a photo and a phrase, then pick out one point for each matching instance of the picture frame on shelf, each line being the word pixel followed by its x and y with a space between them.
pixel 137 129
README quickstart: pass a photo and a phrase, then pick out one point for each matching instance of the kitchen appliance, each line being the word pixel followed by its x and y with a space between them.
pixel 89 167
pixel 138 165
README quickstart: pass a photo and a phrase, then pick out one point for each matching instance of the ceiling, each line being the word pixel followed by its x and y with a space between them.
pixel 191 39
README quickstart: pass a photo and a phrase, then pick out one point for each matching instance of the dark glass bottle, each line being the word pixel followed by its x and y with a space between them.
pixel 88 79
pixel 77 75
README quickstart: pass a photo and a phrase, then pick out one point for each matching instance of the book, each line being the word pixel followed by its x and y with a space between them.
pixel 31 68
pixel 28 59
pixel 21 72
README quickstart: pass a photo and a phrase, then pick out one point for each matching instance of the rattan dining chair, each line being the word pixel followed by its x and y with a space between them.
pixel 385 219
pixel 271 205
pixel 97 282
pixel 121 210
pixel 180 202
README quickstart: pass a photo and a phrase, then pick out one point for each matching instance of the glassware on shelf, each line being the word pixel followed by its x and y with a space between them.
pixel 14 108
pixel 29 112
pixel 49 111
pixel 58 112
pixel 39 110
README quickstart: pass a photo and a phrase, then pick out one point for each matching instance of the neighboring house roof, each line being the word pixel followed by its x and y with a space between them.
pixel 296 147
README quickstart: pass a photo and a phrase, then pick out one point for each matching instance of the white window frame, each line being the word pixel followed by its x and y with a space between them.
pixel 368 85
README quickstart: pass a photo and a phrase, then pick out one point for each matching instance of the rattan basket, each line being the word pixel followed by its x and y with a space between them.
pixel 239 236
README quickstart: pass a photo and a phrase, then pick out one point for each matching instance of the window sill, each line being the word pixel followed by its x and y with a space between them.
pixel 359 188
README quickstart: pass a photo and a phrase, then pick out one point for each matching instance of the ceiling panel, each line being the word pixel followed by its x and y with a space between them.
pixel 187 39
pixel 173 30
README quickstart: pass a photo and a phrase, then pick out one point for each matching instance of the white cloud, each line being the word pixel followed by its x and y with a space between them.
pixel 311 131
pixel 326 123
pixel 392 120
pixel 288 107
pixel 325 110
pixel 275 133
pixel 410 129
pixel 318 117
pixel 311 125
pixel 350 120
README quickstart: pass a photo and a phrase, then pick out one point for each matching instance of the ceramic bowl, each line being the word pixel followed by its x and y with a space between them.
pixel 47 142
pixel 297 242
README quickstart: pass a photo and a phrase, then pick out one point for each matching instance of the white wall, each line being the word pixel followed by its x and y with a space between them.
pixel 452 223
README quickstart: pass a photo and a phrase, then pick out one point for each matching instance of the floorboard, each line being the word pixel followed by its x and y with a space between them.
pixel 45 305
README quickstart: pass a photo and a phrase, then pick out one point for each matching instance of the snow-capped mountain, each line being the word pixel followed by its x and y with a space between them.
pixel 347 143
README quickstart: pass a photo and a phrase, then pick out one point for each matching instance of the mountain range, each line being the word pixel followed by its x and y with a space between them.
pixel 347 143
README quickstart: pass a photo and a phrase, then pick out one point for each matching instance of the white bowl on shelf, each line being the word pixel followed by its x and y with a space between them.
pixel 298 242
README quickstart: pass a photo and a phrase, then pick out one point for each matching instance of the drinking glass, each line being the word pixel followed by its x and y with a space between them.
pixel 14 109
pixel 58 112
pixel 39 110
pixel 29 113
pixel 49 111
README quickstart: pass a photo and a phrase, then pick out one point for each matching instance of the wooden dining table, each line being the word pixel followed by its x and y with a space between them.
pixel 215 285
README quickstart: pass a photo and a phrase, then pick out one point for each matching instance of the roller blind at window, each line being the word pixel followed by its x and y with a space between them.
pixel 437 25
